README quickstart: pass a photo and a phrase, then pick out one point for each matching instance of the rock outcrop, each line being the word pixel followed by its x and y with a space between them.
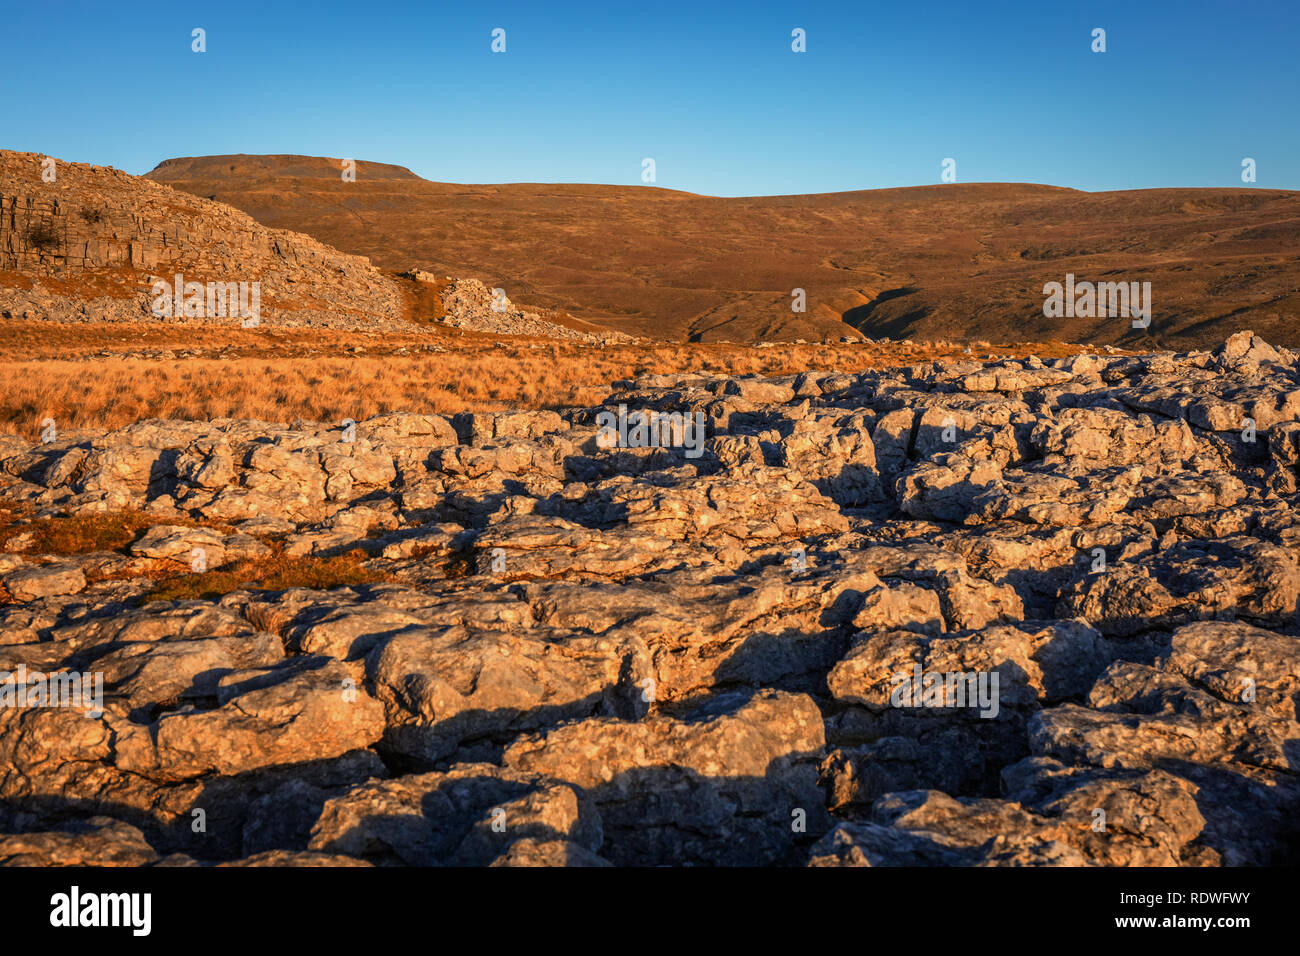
pixel 469 304
pixel 967 613
pixel 87 243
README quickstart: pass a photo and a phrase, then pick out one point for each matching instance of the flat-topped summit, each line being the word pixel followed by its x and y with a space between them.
pixel 242 164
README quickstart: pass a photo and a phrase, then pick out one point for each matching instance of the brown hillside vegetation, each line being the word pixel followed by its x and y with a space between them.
pixel 951 261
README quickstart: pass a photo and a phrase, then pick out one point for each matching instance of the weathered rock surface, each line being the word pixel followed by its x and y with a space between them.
pixel 90 225
pixel 469 304
pixel 571 651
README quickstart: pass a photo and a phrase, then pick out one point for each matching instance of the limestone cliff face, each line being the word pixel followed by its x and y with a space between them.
pixel 85 243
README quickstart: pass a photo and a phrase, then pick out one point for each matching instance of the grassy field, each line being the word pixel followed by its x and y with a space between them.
pixel 110 375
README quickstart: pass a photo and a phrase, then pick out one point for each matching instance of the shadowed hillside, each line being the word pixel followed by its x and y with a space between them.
pixel 953 261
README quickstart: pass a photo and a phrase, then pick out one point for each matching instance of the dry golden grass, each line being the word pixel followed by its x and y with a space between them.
pixel 83 533
pixel 423 299
pixel 35 339
pixel 80 534
pixel 50 371
pixel 275 573
pixel 11 513
pixel 173 580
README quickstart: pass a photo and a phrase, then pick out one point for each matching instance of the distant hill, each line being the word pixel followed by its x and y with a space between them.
pixel 298 167
pixel 965 261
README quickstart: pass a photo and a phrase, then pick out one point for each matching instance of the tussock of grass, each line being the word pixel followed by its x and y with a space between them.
pixel 11 513
pixel 275 573
pixel 84 533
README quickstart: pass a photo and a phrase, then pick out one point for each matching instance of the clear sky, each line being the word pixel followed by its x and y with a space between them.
pixel 712 92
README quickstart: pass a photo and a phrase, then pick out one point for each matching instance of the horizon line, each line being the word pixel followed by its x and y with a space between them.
pixel 655 186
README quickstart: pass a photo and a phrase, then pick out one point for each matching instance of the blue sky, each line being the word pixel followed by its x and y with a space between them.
pixel 712 92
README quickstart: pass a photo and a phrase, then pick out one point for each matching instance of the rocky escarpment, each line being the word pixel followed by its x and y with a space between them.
pixel 82 243
pixel 571 653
